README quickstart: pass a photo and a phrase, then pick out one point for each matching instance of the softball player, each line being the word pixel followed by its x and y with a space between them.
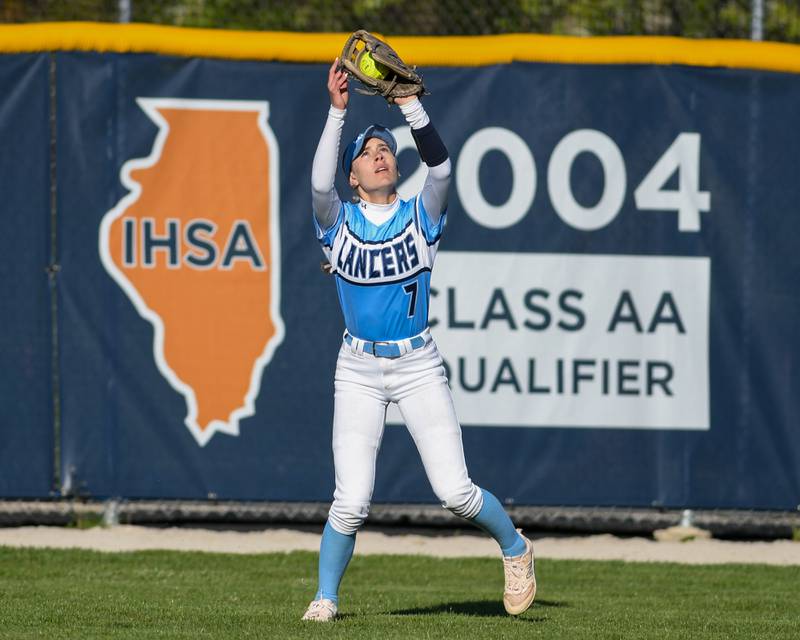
pixel 381 250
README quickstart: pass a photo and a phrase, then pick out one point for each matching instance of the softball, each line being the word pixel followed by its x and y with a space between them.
pixel 371 68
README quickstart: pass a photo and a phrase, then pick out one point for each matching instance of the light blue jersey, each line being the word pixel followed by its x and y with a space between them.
pixel 383 272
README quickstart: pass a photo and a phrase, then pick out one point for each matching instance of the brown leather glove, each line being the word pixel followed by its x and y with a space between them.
pixel 378 67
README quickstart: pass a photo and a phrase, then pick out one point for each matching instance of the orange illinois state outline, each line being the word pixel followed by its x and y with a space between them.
pixel 195 245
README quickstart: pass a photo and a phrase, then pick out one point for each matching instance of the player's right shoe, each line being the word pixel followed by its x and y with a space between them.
pixel 520 580
pixel 322 610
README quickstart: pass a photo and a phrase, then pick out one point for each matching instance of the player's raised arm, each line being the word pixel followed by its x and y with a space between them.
pixel 433 153
pixel 325 200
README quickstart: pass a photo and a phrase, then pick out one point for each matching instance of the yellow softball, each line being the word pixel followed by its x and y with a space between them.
pixel 370 67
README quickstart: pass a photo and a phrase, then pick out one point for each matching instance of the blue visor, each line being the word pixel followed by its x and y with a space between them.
pixel 357 145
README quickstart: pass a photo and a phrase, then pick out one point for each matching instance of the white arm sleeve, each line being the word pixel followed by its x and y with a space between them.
pixel 434 192
pixel 325 200
pixel 437 183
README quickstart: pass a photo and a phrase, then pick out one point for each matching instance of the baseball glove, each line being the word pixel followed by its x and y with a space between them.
pixel 378 67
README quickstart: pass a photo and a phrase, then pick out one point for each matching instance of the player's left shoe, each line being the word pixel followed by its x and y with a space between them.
pixel 322 610
pixel 520 580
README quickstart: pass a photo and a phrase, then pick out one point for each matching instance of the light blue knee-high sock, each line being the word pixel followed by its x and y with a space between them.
pixel 493 519
pixel 335 552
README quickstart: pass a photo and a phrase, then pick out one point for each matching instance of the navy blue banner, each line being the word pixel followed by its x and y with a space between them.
pixel 615 295
pixel 26 418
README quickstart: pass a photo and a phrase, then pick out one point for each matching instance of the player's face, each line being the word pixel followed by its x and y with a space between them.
pixel 375 168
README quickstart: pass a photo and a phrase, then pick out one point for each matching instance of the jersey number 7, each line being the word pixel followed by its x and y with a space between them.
pixel 411 289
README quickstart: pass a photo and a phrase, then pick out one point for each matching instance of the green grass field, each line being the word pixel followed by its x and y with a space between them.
pixel 83 594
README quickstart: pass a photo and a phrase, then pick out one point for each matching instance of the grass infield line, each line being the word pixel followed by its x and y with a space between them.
pixel 458 51
pixel 159 594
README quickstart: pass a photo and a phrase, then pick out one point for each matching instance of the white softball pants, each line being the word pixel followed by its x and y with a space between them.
pixel 364 386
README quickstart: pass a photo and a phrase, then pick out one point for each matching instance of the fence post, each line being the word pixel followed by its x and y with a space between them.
pixel 757 20
pixel 124 10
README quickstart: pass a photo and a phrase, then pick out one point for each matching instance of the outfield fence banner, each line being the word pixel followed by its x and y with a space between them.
pixel 616 295
pixel 27 440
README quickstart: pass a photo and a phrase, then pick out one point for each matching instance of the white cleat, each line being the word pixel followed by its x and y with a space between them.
pixel 322 610
pixel 520 580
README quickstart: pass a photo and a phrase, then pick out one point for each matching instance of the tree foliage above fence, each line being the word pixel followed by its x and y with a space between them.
pixel 689 18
